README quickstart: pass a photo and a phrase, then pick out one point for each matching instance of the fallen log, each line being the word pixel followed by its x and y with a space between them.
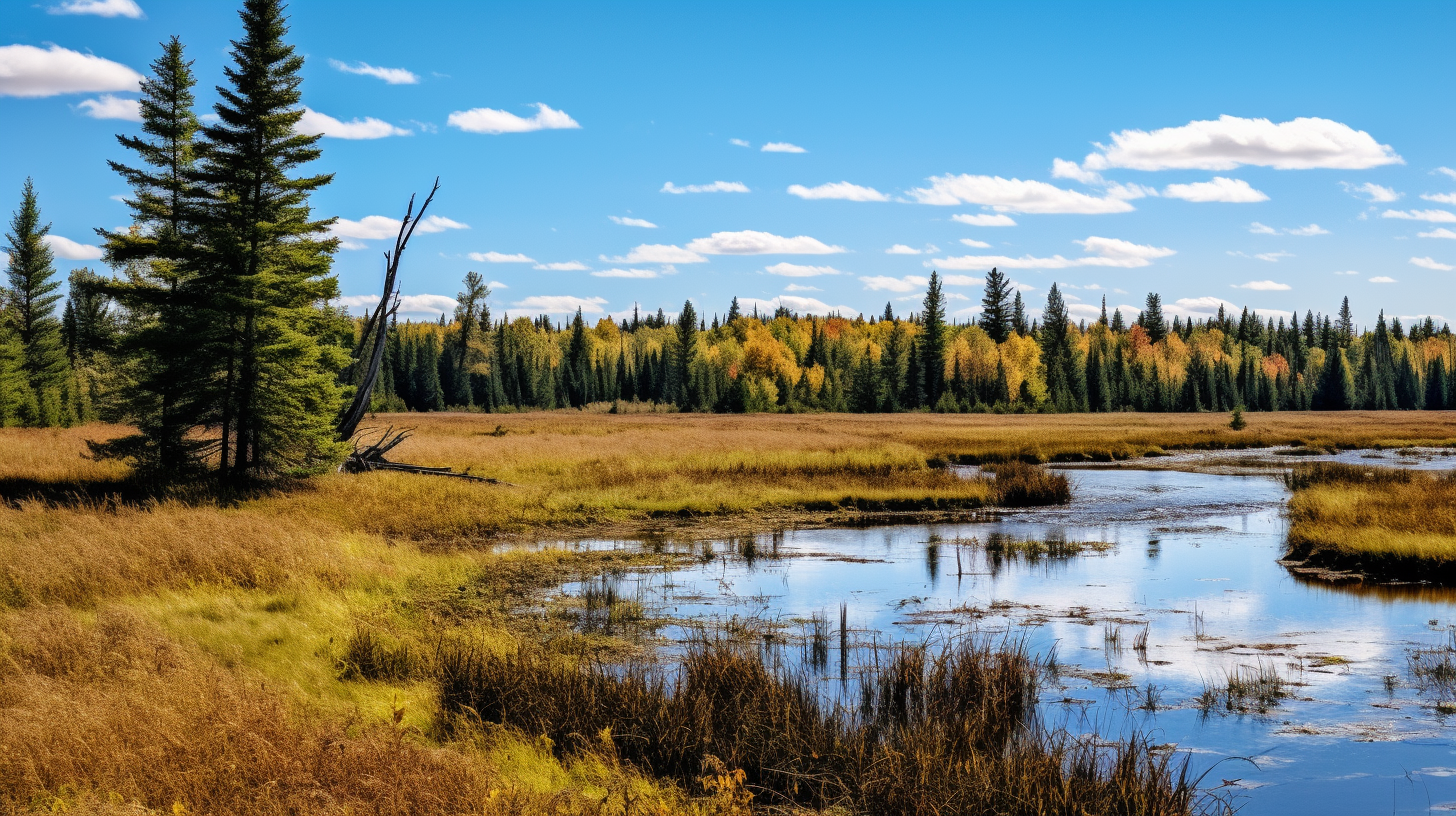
pixel 370 457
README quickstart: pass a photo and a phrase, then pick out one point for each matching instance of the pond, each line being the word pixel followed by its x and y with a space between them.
pixel 1180 589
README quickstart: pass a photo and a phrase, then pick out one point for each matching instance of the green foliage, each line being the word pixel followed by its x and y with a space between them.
pixel 30 318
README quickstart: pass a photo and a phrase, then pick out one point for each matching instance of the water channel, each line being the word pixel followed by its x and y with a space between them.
pixel 1193 562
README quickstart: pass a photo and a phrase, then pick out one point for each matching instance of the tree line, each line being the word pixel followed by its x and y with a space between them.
pixel 214 338
pixel 996 361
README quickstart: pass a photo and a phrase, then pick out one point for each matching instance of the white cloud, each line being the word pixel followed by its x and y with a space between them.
pixel 1440 198
pixel 409 304
pixel 1434 216
pixel 1383 279
pixel 739 142
pixel 1448 171
pixel 1263 286
pixel 1312 229
pixel 112 107
pixel 562 304
pixel 1013 195
pixel 841 190
pixel 1439 232
pixel 376 227
pixel 972 242
pixel 1103 252
pixel 796 287
pixel 1432 263
pixel 794 303
pixel 753 242
pixel 1262 229
pixel 715 187
pixel 782 147
pixel 563 266
pixel 500 257
pixel 789 270
pixel 1370 191
pixel 72 250
pixel 495 122
pixel 632 222
pixel 961 280
pixel 366 128
pixel 1231 141
pixel 657 253
pixel 626 273
pixel 901 249
pixel 1201 307
pixel 1273 257
pixel 1061 168
pixel 1351 272
pixel 100 8
pixel 29 71
pixel 394 76
pixel 1227 190
pixel 885 283
pixel 984 220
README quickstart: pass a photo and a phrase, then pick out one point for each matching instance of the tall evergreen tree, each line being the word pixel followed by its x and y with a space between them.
pixel 996 306
pixel 1152 318
pixel 472 314
pixel 265 263
pixel 31 310
pixel 88 326
pixel 932 342
pixel 687 349
pixel 1018 315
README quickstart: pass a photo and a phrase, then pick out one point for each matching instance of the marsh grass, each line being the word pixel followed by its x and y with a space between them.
pixel 948 731
pixel 1388 523
pixel 1244 690
pixel 1434 669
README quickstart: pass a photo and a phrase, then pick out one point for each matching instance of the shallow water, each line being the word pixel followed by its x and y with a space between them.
pixel 1194 557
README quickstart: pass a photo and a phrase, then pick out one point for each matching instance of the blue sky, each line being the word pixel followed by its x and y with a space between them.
pixel 1278 156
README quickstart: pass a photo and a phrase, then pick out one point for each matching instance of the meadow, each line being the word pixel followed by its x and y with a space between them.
pixel 282 650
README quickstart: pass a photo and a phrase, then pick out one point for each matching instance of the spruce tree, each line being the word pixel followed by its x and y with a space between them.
pixel 996 306
pixel 265 263
pixel 687 349
pixel 30 311
pixel 1018 315
pixel 1152 318
pixel 932 342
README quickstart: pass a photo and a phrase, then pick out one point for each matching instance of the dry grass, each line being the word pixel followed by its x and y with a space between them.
pixel 1382 522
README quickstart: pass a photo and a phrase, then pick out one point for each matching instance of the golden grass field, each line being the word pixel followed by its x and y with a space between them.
pixel 181 655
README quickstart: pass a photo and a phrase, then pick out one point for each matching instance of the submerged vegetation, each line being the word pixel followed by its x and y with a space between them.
pixel 1385 523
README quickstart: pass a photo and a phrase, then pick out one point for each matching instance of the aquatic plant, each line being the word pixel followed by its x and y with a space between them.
pixel 1244 690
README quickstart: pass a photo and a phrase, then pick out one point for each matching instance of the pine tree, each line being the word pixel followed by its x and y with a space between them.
pixel 88 326
pixel 687 349
pixel 1118 325
pixel 996 306
pixel 472 313
pixel 265 265
pixel 1345 325
pixel 1152 318
pixel 1018 315
pixel 31 310
pixel 932 342
pixel 1057 355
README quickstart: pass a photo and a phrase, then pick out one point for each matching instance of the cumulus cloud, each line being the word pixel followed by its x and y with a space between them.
pixel 972 242
pixel 794 303
pixel 1013 195
pixel 71 250
pixel 1434 216
pixel 626 273
pixel 788 270
pixel 782 147
pixel 1262 229
pixel 984 220
pixel 739 142
pixel 500 257
pixel 901 249
pixel 496 122
pixel 409 304
pixel 112 107
pixel 1385 279
pixel 715 187
pixel 1231 141
pixel 1439 232
pixel 563 266
pixel 1427 263
pixel 1447 171
pixel 1227 190
pixel 632 222
pixel 31 72
pixel 1263 286
pixel 100 8
pixel 797 287
pixel 1440 198
pixel 375 227
pixel 657 253
pixel 1061 168
pixel 753 242
pixel 1370 191
pixel 367 128
pixel 1102 252
pixel 962 280
pixel 885 283
pixel 394 76
pixel 841 190
pixel 562 304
